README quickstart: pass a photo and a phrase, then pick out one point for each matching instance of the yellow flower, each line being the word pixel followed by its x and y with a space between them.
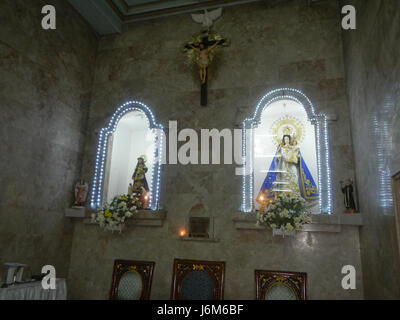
pixel 124 198
pixel 107 213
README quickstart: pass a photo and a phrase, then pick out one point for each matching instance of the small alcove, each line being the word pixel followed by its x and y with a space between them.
pixel 132 139
pixel 131 133
pixel 281 114
pixel 200 224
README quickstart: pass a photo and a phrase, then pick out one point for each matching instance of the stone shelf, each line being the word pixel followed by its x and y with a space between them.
pixel 199 239
pixel 320 222
pixel 143 218
pixel 75 212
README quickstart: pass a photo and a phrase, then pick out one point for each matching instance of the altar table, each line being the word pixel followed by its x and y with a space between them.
pixel 34 291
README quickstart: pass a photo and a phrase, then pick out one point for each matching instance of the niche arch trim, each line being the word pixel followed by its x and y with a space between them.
pixel 96 196
pixel 320 121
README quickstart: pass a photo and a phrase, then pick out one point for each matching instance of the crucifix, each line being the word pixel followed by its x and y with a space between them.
pixel 202 50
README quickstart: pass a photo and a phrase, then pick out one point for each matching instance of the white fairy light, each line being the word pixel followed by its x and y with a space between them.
pixel 251 169
pixel 381 134
pixel 243 166
pixel 322 137
pixel 97 186
pixel 327 167
pixel 159 160
pixel 318 137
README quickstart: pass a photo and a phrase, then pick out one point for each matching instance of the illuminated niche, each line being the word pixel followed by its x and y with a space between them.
pixel 131 132
pixel 286 112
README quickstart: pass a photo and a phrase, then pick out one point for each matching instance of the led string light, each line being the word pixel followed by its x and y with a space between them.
pixel 318 135
pixel 327 167
pixel 251 182
pixel 159 162
pixel 243 207
pixel 324 171
pixel 381 135
pixel 96 194
pixel 158 140
pixel 150 196
pixel 280 95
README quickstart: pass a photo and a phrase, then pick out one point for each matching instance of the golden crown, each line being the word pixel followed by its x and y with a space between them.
pixel 287 130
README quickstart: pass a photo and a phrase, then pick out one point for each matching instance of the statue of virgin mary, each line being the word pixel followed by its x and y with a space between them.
pixel 288 173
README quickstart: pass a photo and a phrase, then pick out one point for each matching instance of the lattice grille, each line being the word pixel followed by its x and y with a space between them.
pixel 280 292
pixel 130 286
pixel 197 285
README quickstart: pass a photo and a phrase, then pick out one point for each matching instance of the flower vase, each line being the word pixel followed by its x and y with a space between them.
pixel 283 233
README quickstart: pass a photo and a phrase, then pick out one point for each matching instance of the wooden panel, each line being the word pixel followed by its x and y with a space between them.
pixel 265 280
pixel 214 269
pixel 143 268
pixel 396 198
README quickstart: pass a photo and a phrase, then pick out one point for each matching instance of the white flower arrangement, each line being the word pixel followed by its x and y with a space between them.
pixel 113 215
pixel 286 213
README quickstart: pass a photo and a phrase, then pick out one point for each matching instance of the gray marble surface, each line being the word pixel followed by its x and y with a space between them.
pixel 372 55
pixel 285 44
pixel 45 82
pixel 59 88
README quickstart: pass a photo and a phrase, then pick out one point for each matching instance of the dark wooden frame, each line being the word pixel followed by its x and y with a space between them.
pixel 214 269
pixel 144 268
pixel 296 281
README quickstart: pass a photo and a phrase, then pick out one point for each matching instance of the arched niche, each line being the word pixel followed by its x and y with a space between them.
pixel 131 132
pixel 300 107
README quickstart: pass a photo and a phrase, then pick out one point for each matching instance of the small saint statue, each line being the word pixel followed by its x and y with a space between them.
pixel 140 186
pixel 81 190
pixel 348 190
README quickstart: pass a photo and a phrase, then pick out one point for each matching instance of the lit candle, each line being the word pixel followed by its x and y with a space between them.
pixel 182 232
pixel 145 201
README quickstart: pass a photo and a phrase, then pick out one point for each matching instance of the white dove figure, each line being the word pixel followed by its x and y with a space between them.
pixel 207 17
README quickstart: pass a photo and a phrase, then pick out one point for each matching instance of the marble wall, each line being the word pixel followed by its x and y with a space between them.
pixel 372 56
pixel 273 44
pixel 45 82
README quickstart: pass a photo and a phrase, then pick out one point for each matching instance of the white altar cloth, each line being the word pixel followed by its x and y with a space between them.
pixel 34 291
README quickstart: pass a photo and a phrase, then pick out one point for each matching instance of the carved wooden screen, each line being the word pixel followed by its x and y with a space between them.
pixel 131 280
pixel 198 280
pixel 280 285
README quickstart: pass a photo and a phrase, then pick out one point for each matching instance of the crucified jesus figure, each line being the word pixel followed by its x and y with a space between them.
pixel 203 58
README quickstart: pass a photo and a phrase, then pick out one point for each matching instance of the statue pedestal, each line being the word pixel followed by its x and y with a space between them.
pixel 320 222
pixel 141 218
pixel 75 212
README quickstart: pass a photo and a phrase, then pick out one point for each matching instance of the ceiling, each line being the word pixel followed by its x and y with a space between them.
pixel 108 16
